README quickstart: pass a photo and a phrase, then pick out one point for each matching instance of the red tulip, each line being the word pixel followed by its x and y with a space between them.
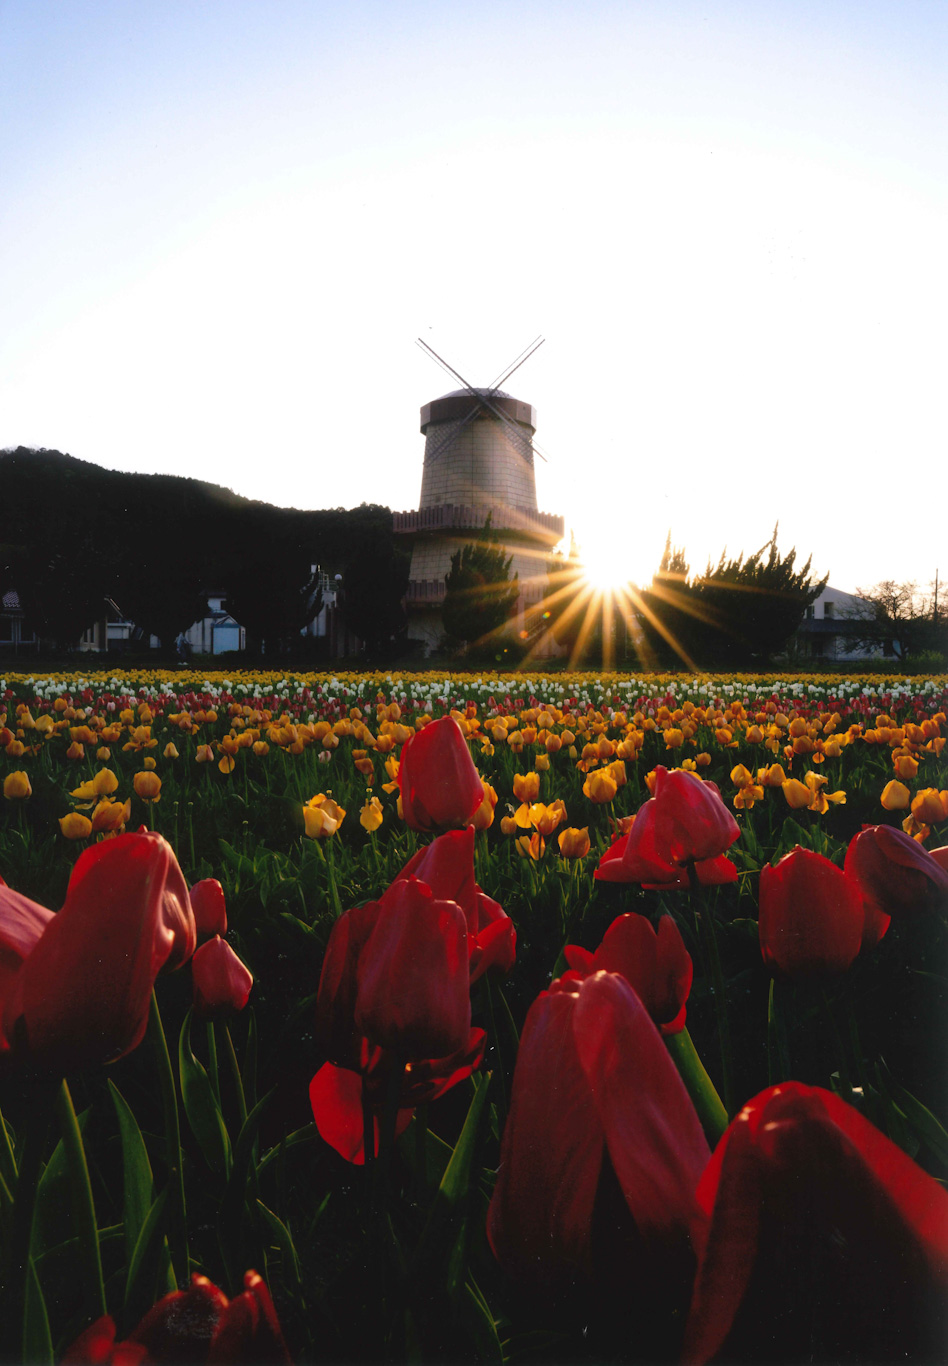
pixel 440 787
pixel 818 1240
pixel 593 1082
pixel 209 907
pixel 336 1093
pixel 396 974
pixel 221 982
pixel 413 979
pixel 447 866
pixel 810 918
pixel 638 857
pixel 339 985
pixel 194 1326
pixel 895 874
pixel 21 923
pixel 657 966
pixel 691 820
pixel 81 995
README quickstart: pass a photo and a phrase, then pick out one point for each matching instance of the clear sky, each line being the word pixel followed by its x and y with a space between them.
pixel 223 225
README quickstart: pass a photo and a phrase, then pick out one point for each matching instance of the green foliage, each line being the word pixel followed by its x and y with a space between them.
pixel 72 534
pixel 480 594
pixel 740 612
pixel 899 619
pixel 375 582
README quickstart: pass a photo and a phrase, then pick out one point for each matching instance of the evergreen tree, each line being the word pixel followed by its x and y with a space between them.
pixel 480 594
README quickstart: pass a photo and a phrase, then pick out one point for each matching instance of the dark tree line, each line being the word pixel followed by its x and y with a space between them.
pixel 73 534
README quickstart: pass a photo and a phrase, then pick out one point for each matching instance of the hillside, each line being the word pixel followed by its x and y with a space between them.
pixel 72 532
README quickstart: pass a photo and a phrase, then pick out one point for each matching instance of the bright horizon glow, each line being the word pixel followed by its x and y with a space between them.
pixel 224 227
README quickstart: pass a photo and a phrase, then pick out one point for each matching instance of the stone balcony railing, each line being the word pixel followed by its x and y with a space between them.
pixel 544 526
pixel 431 591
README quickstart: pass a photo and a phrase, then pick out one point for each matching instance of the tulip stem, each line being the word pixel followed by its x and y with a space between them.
pixel 706 929
pixel 235 1073
pixel 17 1255
pixel 87 1232
pixel 499 1061
pixel 212 1061
pixel 844 1074
pixel 178 1233
pixel 331 873
pixel 855 1041
pixel 778 1052
pixel 368 1128
pixel 699 1085
pixel 421 1151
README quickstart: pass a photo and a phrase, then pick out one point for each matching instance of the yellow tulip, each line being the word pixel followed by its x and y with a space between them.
pixel 75 751
pixel 531 846
pixel 674 738
pixel 773 776
pixel 600 786
pixel 103 754
pixel 904 765
pixel 204 754
pixel 170 752
pixel 227 763
pixel 508 825
pixel 928 807
pixel 110 816
pixel 322 817
pixel 574 843
pixel 798 795
pixel 147 786
pixel 484 815
pixel 740 776
pixel 16 785
pixel 895 796
pixel 148 762
pixel 75 826
pixel 371 815
pixel 526 786
pixel 260 748
pixel 542 763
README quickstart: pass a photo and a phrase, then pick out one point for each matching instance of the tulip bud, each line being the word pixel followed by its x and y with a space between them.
pixel 574 843
pixel 75 826
pixel 209 907
pixel 147 786
pixel 526 786
pixel 16 785
pixel 601 786
pixel 895 796
pixel 221 982
pixel 811 918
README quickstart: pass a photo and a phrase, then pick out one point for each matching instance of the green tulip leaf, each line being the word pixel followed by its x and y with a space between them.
pixel 143 1263
pixel 918 1116
pixel 284 1241
pixel 201 1106
pixel 37 1340
pixel 52 1196
pixel 442 1253
pixel 137 1178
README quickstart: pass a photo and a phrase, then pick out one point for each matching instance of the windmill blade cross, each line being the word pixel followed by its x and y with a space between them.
pixel 480 398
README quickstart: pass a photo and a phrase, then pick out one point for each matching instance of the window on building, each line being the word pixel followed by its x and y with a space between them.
pixel 829 609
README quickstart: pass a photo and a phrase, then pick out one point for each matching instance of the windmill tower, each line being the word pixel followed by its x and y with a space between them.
pixel 479 462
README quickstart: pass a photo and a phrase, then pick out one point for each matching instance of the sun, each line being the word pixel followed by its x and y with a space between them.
pixel 606 564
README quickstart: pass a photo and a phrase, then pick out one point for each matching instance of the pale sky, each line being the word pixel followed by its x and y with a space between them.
pixel 223 225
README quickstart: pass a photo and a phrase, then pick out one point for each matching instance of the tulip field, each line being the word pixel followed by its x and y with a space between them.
pixel 568 1018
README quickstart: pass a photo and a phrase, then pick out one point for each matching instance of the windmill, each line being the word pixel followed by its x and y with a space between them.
pixel 479 462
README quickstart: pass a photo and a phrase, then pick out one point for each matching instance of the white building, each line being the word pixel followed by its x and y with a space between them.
pixel 830 622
